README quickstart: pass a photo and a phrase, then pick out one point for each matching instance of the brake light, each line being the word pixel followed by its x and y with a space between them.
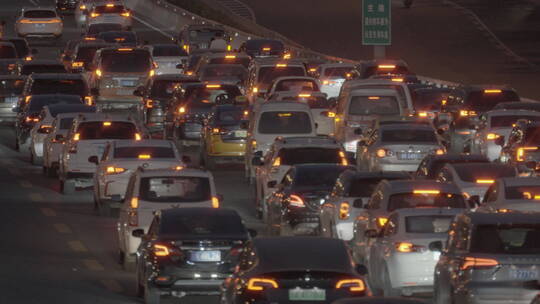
pixel 109 5
pixel 434 192
pixel 492 91
pixel 422 114
pixel 295 200
pixel 474 263
pixel 344 160
pixel 467 113
pixel 381 153
pixel 304 95
pixel 114 170
pixel 374 98
pixel 181 110
pixel 31 119
pixel 213 86
pixel 82 7
pixel 94 15
pixel 149 103
pixel 126 14
pixel 266 49
pixel 230 56
pixel 138 136
pixel 281 65
pixel 331 114
pixel 344 211
pixel 124 49
pixel 381 221
pixel 76 136
pixel 397 79
pixel 259 284
pixel 355 285
pixel 134 203
pixel 439 152
pixel 144 156
pixel 520 154
pixel 215 202
pixel 492 136
pixel 407 247
pixel 485 181
pixel 77 64
pixel 161 250
pixel 255 90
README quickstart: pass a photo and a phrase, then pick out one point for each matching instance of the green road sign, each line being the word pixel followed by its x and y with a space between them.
pixel 376 22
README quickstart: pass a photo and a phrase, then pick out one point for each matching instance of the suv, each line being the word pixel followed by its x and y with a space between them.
pixel 86 141
pixel 522 146
pixel 333 75
pixel 119 71
pixel 82 56
pixel 369 68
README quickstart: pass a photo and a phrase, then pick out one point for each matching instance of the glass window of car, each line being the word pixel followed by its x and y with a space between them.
pixel 86 53
pixel 175 189
pixel 374 105
pixel 148 152
pixel 363 187
pixel 482 101
pixel 425 200
pixel 522 192
pixel 314 102
pixel 229 117
pixel 37 102
pixel 137 61
pixel 320 178
pixel 428 99
pixel 39 14
pixel 281 122
pixel 153 230
pixel 223 71
pixel 28 69
pixel 514 238
pixel 491 193
pixel 294 156
pixel 60 86
pixel 268 74
pixel 94 130
pixel 204 225
pixel 427 223
pixel 244 61
pixel 168 51
pixel 337 72
pixel 203 97
pixel 409 135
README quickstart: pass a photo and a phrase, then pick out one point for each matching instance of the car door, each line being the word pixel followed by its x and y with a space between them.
pixel 123 218
pixel 380 248
pixel 448 268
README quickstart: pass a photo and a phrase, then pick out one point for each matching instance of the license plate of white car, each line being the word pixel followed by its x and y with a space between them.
pixel 314 294
pixel 524 274
pixel 240 133
pixel 128 83
pixel 408 156
pixel 206 256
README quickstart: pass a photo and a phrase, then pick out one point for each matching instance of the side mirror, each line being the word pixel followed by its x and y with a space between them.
pixel 371 233
pixel 499 141
pixel 436 246
pixel 59 137
pixel 94 91
pixel 358 131
pixel 272 184
pixel 138 233
pixel 180 66
pixel 361 269
pixel 474 201
pixel 358 203
pixel 116 198
pixel 93 159
pixel 257 161
pixel 252 232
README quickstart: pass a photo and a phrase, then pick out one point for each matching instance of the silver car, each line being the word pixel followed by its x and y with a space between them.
pixel 512 194
pixel 110 13
pixel 488 258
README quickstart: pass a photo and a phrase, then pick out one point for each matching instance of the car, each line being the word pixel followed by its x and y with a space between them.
pixel 474 179
pixel 119 71
pixel 55 138
pixel 168 57
pixel 427 101
pixel 430 166
pixel 355 111
pixel 294 207
pixel 151 189
pixel 273 119
pixel 512 194
pixel 11 87
pixel 157 94
pixel 66 6
pixel 369 68
pixel 161 274
pixel 295 84
pixel 40 130
pixel 494 124
pixel 29 113
pixel 285 153
pixel 120 38
pixel 348 198
pixel 316 269
pixel 120 159
pixel 263 48
pixel 195 59
pixel 82 56
pixel 401 261
pixel 24 52
pixel 67 52
pixel 37 66
pixel 488 250
pixel 222 138
pixel 518 105
pixel 262 72
pixel 88 137
pixel 55 83
pixel 40 22
pixel 225 58
pixel 93 30
pixel 405 78
pixel 222 73
pixel 332 75
pixel 521 147
pixel 199 36
pixel 393 195
pixel 109 12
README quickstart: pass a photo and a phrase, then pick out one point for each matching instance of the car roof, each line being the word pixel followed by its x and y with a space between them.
pixel 499 218
pixel 223 54
pixel 171 172
pixel 372 91
pixel 409 126
pixel 54 95
pixel 321 166
pixel 520 181
pixel 519 104
pixel 39 8
pixel 142 143
pixel 288 94
pixel 408 186
pixel 283 106
pixel 295 78
pixel 91 43
pixel 305 141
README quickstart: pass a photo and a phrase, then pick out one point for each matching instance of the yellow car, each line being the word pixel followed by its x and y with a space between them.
pixel 223 139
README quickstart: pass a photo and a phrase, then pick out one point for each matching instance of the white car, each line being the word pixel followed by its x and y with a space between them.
pixel 495 124
pixel 41 129
pixel 296 84
pixel 88 137
pixel 107 12
pixel 332 76
pixel 152 190
pixel 273 119
pixel 39 22
pixel 475 178
pixel 121 158
pixel 401 261
pixel 287 152
pixel 512 194
pixel 169 58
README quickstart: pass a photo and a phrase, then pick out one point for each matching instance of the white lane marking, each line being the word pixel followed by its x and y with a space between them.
pixel 112 285
pixel 93 265
pixel 154 28
pixel 37 197
pixel 48 212
pixel 62 228
pixel 77 246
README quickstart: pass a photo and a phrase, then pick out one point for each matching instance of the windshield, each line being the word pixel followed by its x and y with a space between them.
pixel 508 121
pixel 338 72
pixel 522 193
pixel 280 122
pixel 175 189
pixel 264 45
pixel 321 178
pixel 506 239
pixel 293 156
pixel 63 86
pixel 86 53
pixel 428 99
pixel 428 200
pixel 39 14
pixel 374 105
pixel 363 187
pixel 486 172
pixel 37 102
pixel 126 62
pixel 409 135
pixel 203 97
pixel 148 152
pixel 169 51
pixel 42 68
pixel 106 130
pixel 244 61
pixel 374 70
pixel 268 74
pixel 230 116
pixel 428 223
pixel 297 85
pixel 116 9
pixel 224 71
pixel 8 51
pixel 205 226
pixel 206 34
pixel 480 101
pixel 66 123
pixel 11 87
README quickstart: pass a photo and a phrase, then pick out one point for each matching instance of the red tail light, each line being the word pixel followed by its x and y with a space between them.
pixel 476 263
pixel 259 284
pixel 295 200
pixel 166 250
pixel 354 285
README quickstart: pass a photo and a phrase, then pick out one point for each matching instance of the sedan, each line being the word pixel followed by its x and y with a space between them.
pixel 513 194
pixel 39 22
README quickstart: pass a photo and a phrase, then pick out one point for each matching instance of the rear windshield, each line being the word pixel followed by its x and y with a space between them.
pixel 42 68
pixel 230 116
pixel 293 156
pixel 428 223
pixel 374 105
pixel 414 200
pixel 437 165
pixel 202 97
pixel 268 74
pixel 39 14
pixel 206 34
pixel 522 192
pixel 66 123
pixel 222 60
pixel 225 71
pixel 297 85
pixel 314 102
pixel 532 136
pixel 281 122
pixel 169 51
pixel 480 101
pixel 206 226
pixel 408 136
pixel 7 51
pixel 102 130
pixel 178 189
pixel 164 88
pixel 38 102
pixel 63 86
pixel 86 53
pixel 117 9
pixel 488 172
pixel 321 178
pixel 428 100
pixel 370 71
pixel 148 152
pixel 126 62
pixel 506 239
pixel 508 121
pixel 338 72
pixel 95 29
pixel 11 87
pixel 363 187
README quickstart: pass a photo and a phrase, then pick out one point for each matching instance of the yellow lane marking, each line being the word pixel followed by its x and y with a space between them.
pixel 25 184
pixel 77 246
pixel 62 228
pixel 36 197
pixel 48 212
pixel 93 265
pixel 112 285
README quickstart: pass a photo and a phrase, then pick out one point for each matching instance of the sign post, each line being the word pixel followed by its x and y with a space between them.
pixel 377 25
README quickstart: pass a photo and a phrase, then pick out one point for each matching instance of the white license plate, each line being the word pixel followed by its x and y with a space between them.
pixel 523 274
pixel 39 25
pixel 206 256
pixel 299 294
pixel 241 133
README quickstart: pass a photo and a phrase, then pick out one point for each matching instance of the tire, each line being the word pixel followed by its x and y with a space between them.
pixel 128 262
pixel 67 186
pixel 104 209
pixel 151 296
pixel 388 290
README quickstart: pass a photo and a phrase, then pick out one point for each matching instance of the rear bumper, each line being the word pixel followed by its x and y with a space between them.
pixel 185 287
pixel 412 270
pixel 396 167
pixel 495 295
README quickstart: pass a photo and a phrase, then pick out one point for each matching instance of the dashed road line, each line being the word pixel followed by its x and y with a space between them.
pixel 112 285
pixel 77 246
pixel 25 184
pixel 62 228
pixel 93 265
pixel 48 212
pixel 37 197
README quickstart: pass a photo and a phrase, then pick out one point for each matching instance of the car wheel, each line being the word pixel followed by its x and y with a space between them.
pixel 151 296
pixel 104 209
pixel 128 262
pixel 388 290
pixel 67 186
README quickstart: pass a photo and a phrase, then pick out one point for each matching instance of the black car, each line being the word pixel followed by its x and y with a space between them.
pixel 21 45
pixel 380 300
pixel 82 56
pixel 65 6
pixel 40 66
pixel 431 165
pixel 427 101
pixel 188 251
pixel 56 83
pixel 295 206
pixel 263 48
pixel 294 269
